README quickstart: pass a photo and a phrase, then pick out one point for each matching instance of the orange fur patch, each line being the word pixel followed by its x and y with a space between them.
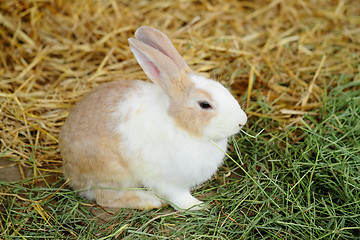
pixel 88 142
pixel 186 115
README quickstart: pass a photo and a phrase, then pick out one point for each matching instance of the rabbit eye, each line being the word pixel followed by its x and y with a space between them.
pixel 205 105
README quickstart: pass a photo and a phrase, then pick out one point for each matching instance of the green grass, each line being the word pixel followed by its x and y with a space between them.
pixel 291 182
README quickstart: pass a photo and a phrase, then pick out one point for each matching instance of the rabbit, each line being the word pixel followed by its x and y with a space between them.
pixel 143 145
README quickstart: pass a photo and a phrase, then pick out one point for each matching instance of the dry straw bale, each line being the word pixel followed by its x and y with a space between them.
pixel 285 52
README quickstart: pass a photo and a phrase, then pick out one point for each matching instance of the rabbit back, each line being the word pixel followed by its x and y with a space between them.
pixel 89 143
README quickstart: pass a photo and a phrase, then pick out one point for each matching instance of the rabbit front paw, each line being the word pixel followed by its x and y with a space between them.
pixel 186 202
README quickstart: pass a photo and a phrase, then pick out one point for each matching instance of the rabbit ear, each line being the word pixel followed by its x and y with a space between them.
pixel 160 68
pixel 161 42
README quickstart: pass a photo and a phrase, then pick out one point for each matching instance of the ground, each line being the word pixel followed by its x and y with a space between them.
pixel 293 65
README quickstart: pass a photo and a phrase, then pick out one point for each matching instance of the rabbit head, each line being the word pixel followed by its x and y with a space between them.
pixel 200 106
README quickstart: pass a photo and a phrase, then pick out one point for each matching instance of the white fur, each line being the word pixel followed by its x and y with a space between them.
pixel 229 113
pixel 172 161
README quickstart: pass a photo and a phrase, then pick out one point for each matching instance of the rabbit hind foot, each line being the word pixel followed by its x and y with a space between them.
pixel 127 198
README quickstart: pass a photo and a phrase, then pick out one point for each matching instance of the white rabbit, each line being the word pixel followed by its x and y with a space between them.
pixel 136 144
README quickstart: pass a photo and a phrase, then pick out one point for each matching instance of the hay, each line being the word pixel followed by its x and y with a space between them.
pixel 285 53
